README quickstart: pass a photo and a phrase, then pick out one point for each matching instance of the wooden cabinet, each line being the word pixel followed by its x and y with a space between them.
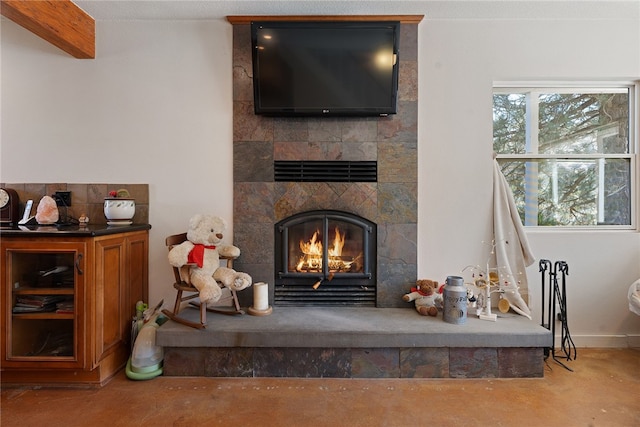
pixel 67 304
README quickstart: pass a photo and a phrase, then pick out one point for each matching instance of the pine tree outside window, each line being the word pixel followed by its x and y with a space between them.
pixel 568 153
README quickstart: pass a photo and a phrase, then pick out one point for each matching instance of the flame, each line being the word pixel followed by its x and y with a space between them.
pixel 338 243
pixel 311 259
pixel 313 247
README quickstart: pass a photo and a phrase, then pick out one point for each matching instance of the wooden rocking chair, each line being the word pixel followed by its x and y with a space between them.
pixel 191 292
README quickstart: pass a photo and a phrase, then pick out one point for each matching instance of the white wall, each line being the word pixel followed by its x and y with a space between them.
pixel 155 107
pixel 459 60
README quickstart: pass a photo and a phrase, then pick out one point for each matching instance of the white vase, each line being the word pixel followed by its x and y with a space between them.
pixel 119 210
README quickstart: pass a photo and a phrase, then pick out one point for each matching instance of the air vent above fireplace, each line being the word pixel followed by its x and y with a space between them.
pixel 325 171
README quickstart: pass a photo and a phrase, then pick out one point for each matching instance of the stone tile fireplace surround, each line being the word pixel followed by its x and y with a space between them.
pixel 391 202
pixel 386 341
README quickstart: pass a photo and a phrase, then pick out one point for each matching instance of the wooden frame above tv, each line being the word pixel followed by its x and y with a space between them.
pixel 247 19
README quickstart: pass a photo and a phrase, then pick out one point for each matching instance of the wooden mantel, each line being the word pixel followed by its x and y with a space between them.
pixel 404 19
pixel 59 22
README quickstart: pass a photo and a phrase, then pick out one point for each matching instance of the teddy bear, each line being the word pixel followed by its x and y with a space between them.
pixel 198 258
pixel 427 297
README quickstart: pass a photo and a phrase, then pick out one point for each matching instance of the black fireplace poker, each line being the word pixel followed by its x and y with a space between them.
pixel 557 296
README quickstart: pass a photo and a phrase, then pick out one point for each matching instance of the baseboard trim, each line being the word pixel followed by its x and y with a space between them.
pixel 603 341
pixel 634 341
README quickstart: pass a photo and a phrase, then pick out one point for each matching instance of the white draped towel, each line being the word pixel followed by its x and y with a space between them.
pixel 513 253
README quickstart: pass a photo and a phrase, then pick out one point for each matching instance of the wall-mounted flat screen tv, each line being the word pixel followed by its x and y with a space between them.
pixel 325 68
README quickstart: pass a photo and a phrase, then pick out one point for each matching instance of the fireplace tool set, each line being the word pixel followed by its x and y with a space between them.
pixel 557 292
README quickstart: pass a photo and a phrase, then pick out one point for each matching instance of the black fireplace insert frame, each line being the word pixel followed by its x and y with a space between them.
pixel 325 288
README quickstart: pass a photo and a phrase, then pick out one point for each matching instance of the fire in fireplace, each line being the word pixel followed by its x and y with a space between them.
pixel 325 258
pixel 311 255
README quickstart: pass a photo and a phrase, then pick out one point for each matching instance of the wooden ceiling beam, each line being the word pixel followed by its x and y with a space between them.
pixel 60 22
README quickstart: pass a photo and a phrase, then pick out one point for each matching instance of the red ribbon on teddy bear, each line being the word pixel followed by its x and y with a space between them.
pixel 196 256
pixel 424 294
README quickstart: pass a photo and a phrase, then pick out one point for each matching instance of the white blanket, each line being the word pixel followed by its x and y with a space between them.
pixel 513 253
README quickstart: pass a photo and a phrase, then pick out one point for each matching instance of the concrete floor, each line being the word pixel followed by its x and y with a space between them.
pixel 603 390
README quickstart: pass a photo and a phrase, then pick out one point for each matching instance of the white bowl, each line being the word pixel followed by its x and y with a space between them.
pixel 119 208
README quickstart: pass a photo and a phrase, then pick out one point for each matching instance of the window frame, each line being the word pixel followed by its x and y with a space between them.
pixel 633 87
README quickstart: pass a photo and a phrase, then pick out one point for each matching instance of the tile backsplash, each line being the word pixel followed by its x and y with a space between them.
pixel 86 199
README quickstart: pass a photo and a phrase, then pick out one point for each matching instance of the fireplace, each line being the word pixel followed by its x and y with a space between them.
pixel 325 258
pixel 335 341
pixel 377 157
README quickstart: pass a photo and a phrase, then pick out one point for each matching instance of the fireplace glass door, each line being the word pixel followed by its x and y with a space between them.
pixel 325 258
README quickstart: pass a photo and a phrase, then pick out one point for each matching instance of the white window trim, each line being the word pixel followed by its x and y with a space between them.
pixel 634 143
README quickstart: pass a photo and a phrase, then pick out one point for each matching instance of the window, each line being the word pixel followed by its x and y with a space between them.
pixel 568 153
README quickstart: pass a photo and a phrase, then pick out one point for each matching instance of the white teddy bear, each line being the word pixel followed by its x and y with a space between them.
pixel 199 258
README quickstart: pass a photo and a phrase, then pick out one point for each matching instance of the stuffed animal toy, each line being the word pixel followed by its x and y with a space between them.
pixel 199 258
pixel 427 297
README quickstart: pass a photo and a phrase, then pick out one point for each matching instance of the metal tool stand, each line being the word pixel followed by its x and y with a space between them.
pixel 556 297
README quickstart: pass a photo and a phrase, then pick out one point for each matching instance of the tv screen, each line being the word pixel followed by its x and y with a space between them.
pixel 325 68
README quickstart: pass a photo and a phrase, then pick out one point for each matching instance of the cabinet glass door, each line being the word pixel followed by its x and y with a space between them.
pixel 44 299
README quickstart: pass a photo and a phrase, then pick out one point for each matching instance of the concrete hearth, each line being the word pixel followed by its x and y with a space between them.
pixel 349 342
